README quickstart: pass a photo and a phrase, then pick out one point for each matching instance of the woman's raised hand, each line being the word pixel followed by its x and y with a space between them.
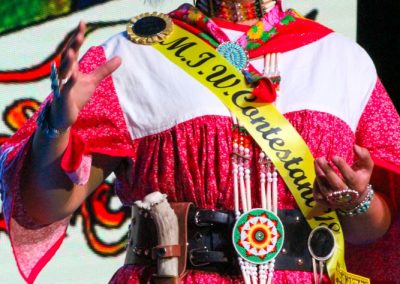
pixel 79 87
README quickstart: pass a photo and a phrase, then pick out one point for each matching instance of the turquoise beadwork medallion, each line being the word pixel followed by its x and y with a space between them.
pixel 235 54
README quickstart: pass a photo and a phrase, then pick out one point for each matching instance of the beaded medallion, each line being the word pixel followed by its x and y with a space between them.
pixel 235 54
pixel 258 236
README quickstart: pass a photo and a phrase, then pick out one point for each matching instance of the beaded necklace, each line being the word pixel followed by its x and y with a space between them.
pixel 241 173
pixel 237 10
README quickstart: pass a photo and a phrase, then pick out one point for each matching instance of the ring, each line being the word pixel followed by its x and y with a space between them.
pixel 344 196
pixel 64 81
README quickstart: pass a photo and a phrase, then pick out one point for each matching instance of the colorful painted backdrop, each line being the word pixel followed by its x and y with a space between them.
pixel 32 34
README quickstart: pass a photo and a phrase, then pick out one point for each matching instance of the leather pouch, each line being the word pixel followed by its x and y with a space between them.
pixel 144 250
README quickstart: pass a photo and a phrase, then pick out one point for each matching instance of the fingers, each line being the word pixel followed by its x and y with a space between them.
pixel 349 175
pixel 71 53
pixel 73 75
pixel 328 174
pixel 319 197
pixel 329 184
pixel 68 59
pixel 78 38
pixel 321 180
pixel 105 70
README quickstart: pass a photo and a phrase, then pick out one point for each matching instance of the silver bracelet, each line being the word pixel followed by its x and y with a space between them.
pixel 360 208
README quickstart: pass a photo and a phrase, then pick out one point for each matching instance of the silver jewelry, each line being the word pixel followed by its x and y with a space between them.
pixel 235 54
pixel 44 125
pixel 344 196
pixel 64 81
pixel 55 87
pixel 360 208
pixel 321 245
pixel 43 117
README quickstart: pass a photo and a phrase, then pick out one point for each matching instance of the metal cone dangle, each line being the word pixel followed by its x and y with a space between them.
pixel 258 236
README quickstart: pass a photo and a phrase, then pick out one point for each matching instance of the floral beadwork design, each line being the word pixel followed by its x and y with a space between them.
pixel 259 34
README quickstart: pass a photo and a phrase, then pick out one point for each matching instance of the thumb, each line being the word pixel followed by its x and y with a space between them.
pixel 105 70
pixel 364 160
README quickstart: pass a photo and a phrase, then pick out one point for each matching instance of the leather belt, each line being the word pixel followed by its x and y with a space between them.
pixel 209 242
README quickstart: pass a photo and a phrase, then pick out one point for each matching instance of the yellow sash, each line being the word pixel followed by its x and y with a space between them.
pixel 268 127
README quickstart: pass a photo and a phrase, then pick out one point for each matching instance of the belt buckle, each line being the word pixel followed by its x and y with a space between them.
pixel 192 259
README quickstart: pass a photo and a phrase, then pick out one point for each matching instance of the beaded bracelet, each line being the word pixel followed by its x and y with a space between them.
pixel 362 207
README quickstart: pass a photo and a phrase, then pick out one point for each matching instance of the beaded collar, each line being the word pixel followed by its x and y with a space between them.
pixel 276 31
pixel 233 11
pixel 267 27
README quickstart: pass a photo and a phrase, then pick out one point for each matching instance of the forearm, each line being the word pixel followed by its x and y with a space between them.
pixel 46 190
pixel 369 226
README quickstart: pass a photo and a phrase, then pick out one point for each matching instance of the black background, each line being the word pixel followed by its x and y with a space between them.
pixel 378 31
